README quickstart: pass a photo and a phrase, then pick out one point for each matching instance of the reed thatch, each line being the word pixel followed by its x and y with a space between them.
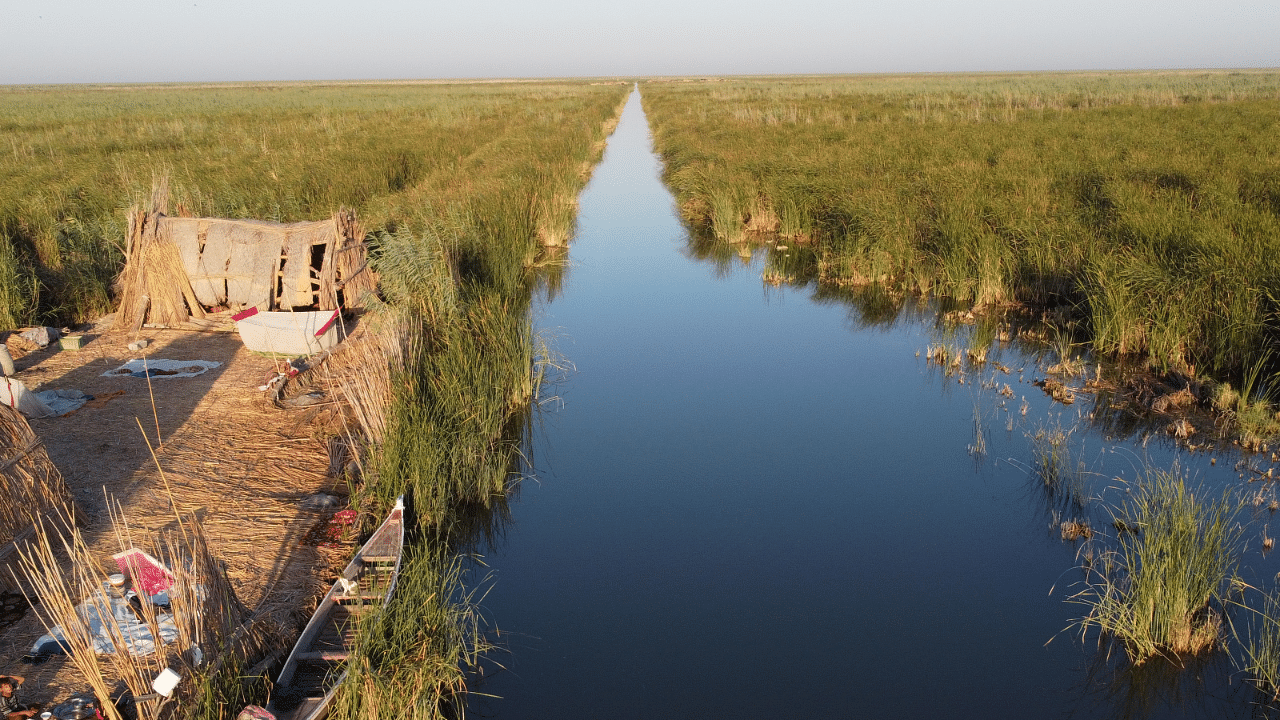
pixel 176 267
pixel 31 487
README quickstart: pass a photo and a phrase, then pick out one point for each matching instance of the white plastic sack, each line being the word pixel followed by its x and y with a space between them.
pixel 41 336
pixel 136 635
pixel 16 395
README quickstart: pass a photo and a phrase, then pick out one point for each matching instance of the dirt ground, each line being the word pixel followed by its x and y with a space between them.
pixel 229 455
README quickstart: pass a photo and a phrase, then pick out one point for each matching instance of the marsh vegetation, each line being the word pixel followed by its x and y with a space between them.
pixel 74 158
pixel 1138 211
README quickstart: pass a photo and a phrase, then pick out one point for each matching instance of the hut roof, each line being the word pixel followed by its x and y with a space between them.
pixel 178 266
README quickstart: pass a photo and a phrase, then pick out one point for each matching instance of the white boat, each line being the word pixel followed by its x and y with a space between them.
pixel 288 333
pixel 318 663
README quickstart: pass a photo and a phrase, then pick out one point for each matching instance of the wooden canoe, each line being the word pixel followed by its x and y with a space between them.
pixel 318 663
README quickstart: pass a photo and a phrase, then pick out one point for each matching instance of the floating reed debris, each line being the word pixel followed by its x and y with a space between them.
pixel 1073 530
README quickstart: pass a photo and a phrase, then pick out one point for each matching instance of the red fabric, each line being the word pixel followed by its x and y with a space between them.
pixel 147 574
pixel 330 321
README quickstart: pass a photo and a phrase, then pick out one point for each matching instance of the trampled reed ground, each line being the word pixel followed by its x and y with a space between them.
pixel 1144 206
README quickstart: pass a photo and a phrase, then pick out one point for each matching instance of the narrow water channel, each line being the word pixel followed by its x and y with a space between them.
pixel 749 504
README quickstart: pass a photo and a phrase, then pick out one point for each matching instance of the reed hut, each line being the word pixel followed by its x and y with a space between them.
pixel 31 488
pixel 179 267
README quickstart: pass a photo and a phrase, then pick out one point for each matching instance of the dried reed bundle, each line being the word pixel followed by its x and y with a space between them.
pixel 361 373
pixel 32 487
pixel 153 285
pixel 346 269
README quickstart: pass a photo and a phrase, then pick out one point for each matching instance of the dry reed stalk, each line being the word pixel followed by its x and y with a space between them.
pixel 59 594
pixel 362 375
pixel 203 608
pixel 350 272
pixel 146 370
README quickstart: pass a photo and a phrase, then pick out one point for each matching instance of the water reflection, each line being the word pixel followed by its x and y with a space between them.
pixel 548 271
pixel 1198 686
pixel 743 497
pixel 1066 487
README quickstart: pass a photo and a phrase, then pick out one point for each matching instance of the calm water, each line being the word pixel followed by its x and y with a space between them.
pixel 752 505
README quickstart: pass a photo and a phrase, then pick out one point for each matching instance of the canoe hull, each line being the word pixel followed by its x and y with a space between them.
pixel 317 665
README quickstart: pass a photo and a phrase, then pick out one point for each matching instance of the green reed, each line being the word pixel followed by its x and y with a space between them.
pixel 413 656
pixel 1261 647
pixel 1059 476
pixel 1144 205
pixel 74 158
pixel 1162 588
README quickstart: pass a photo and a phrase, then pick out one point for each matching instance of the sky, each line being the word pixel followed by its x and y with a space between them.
pixel 107 41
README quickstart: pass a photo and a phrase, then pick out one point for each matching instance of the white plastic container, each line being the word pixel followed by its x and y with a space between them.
pixel 288 333
pixel 165 682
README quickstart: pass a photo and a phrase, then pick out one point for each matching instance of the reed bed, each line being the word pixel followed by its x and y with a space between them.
pixel 441 408
pixel 1098 196
pixel 75 158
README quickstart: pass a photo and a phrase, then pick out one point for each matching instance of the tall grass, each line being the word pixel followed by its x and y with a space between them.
pixel 1161 590
pixel 414 655
pixel 1142 205
pixel 73 158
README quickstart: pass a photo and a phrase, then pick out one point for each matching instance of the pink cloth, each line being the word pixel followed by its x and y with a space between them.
pixel 147 574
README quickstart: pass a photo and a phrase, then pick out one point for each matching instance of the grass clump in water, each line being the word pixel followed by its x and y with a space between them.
pixel 1057 474
pixel 1161 590
pixel 1262 647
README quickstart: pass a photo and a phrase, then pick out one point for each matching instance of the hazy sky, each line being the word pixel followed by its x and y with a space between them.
pixel 174 40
